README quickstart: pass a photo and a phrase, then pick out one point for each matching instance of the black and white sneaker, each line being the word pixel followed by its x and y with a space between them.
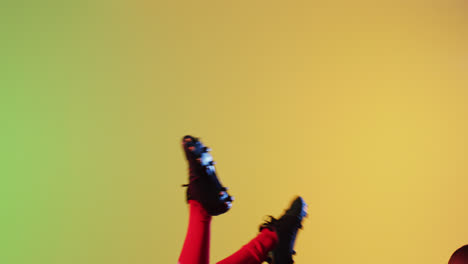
pixel 204 186
pixel 286 228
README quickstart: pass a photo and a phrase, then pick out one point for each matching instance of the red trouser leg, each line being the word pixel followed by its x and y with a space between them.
pixel 196 249
pixel 256 251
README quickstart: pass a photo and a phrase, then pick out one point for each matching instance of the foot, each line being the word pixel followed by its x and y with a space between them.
pixel 286 228
pixel 204 185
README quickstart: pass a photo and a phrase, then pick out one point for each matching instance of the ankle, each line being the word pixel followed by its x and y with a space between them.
pixel 197 209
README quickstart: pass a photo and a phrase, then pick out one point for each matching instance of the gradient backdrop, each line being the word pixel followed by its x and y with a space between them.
pixel 359 106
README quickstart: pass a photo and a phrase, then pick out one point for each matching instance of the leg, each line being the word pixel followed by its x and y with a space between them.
pixel 206 197
pixel 256 251
pixel 276 236
pixel 196 249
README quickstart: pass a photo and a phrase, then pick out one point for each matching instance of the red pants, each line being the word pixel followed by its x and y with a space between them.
pixel 196 249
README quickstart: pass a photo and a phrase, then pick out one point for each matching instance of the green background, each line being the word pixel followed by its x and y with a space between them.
pixel 358 106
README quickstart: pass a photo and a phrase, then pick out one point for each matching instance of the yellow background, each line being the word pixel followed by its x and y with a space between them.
pixel 358 106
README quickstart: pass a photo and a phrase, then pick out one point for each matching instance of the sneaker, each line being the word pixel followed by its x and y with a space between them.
pixel 286 228
pixel 204 186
